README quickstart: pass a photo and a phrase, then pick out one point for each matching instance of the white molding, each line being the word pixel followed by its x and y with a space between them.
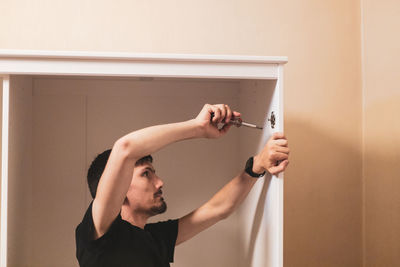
pixel 4 171
pixel 140 65
pixel 140 56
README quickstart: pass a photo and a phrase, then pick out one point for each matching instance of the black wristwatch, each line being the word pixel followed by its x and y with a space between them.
pixel 249 169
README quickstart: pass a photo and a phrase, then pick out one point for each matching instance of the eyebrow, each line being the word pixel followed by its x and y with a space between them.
pixel 150 169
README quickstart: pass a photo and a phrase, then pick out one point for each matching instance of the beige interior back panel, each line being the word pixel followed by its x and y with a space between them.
pixel 61 123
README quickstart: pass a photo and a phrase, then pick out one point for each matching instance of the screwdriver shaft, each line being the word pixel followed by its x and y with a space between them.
pixel 239 122
pixel 251 125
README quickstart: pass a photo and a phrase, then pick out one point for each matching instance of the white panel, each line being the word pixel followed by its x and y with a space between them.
pixel 19 171
pixel 259 213
pixel 4 168
pixel 119 64
pixel 146 69
pixel 9 53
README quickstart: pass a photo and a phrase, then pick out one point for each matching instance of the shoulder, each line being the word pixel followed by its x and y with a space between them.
pixel 85 229
pixel 86 225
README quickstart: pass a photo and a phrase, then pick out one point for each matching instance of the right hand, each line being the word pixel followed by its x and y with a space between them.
pixel 211 115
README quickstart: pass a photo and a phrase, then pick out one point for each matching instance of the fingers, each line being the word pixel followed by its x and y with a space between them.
pixel 228 114
pixel 225 128
pixel 281 142
pixel 276 153
pixel 215 113
pixel 279 156
pixel 236 114
pixel 282 149
pixel 277 136
pixel 211 117
pixel 222 113
pixel 209 112
pixel 275 170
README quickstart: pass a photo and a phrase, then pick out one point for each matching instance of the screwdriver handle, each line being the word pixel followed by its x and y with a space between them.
pixel 235 121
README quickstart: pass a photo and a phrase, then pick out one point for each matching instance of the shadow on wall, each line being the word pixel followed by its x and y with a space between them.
pixel 322 195
pixel 382 183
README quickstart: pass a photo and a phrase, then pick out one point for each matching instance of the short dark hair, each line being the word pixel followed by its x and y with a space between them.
pixel 98 165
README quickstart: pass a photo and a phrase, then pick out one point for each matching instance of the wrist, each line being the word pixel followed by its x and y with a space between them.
pixel 198 131
pixel 249 169
pixel 257 165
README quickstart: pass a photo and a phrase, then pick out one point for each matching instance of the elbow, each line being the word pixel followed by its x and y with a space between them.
pixel 122 143
pixel 123 147
pixel 224 216
pixel 226 213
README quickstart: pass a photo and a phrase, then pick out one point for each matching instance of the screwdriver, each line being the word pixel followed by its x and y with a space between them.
pixel 239 122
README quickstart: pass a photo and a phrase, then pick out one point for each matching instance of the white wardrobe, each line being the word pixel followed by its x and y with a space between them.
pixel 61 109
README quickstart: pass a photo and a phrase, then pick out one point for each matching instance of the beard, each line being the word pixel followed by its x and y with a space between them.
pixel 159 208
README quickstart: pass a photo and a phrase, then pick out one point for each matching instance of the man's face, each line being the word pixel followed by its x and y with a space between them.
pixel 144 193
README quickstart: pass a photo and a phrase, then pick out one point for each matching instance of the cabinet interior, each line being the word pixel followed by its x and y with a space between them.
pixel 58 124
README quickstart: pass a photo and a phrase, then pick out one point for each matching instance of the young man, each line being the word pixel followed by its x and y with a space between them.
pixel 127 192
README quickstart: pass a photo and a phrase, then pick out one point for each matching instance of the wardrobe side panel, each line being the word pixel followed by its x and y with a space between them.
pixel 1 133
pixel 258 214
pixel 1 143
pixel 19 172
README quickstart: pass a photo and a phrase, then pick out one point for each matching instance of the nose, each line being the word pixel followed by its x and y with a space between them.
pixel 158 182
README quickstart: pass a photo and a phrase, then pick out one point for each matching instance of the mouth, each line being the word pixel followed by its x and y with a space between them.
pixel 158 193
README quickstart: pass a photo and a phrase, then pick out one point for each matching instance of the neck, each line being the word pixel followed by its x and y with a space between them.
pixel 133 217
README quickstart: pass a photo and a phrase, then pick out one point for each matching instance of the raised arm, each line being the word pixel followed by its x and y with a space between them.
pixel 116 178
pixel 273 158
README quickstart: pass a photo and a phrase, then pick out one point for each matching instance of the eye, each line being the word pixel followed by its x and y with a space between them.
pixel 146 174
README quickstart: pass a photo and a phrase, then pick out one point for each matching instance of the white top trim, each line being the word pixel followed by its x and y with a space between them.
pixel 28 62
pixel 141 56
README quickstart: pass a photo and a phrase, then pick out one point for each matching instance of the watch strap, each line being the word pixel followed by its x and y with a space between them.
pixel 249 169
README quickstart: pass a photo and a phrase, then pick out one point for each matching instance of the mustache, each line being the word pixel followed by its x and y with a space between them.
pixel 159 192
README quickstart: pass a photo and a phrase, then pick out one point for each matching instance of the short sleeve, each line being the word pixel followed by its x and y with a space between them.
pixel 165 233
pixel 85 232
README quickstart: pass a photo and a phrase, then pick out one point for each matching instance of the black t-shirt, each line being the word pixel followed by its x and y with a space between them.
pixel 125 245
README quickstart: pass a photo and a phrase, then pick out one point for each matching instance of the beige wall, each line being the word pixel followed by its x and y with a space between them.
pixel 381 20
pixel 323 97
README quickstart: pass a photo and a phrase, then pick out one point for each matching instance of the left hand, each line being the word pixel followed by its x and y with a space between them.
pixel 274 157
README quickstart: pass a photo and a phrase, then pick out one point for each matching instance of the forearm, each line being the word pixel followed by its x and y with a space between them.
pixel 228 199
pixel 151 139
